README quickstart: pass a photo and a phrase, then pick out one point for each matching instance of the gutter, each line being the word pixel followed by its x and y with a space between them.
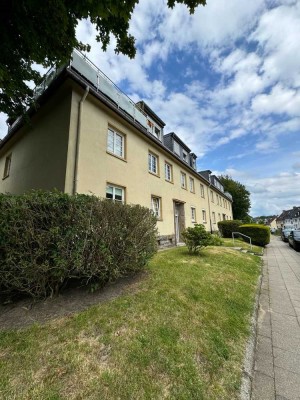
pixel 78 132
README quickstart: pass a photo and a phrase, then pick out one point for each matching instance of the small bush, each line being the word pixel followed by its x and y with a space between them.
pixel 196 238
pixel 227 227
pixel 215 240
pixel 260 234
pixel 47 238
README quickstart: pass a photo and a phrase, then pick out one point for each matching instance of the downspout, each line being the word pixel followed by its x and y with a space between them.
pixel 78 140
pixel 211 230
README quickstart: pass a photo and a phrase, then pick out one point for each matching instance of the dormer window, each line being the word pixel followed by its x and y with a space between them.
pixel 176 148
pixel 154 129
pixel 184 156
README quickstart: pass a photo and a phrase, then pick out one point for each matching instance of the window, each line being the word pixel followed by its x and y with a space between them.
pixel 115 143
pixel 212 196
pixel 201 190
pixel 214 217
pixel 193 214
pixel 168 172
pixel 183 180
pixel 217 199
pixel 176 148
pixel 153 163
pixel 115 193
pixel 193 163
pixel 184 156
pixel 219 216
pixel 156 206
pixel 204 216
pixel 192 185
pixel 7 166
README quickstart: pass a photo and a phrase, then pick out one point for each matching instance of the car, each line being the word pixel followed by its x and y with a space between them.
pixel 273 230
pixel 294 239
pixel 285 233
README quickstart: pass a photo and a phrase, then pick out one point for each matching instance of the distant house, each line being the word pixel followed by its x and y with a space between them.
pixel 290 217
pixel 86 136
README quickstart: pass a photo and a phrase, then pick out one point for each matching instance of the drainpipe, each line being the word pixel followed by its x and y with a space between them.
pixel 78 140
pixel 208 198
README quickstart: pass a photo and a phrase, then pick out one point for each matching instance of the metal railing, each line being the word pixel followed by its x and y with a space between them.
pixel 241 234
pixel 80 63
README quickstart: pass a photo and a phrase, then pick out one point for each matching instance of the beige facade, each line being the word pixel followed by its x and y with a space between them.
pixel 78 142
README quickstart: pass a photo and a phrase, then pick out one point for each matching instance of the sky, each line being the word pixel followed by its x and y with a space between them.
pixel 226 80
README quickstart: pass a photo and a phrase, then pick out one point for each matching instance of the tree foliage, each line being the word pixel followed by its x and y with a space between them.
pixel 44 32
pixel 241 197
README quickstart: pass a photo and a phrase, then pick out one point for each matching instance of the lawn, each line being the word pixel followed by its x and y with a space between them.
pixel 238 242
pixel 180 335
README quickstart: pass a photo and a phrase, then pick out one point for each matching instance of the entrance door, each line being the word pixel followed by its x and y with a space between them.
pixel 179 220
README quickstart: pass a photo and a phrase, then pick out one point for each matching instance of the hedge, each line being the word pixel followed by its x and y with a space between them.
pixel 260 234
pixel 48 238
pixel 227 227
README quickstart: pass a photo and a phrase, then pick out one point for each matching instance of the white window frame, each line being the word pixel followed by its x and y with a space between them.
pixel 193 214
pixel 202 190
pixel 176 147
pixel 185 156
pixel 183 180
pixel 168 172
pixel 192 185
pixel 156 206
pixel 114 187
pixel 7 166
pixel 212 196
pixel 204 216
pixel 113 149
pixel 213 217
pixel 152 163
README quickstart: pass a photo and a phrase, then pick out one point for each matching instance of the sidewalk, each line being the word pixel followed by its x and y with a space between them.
pixel 277 355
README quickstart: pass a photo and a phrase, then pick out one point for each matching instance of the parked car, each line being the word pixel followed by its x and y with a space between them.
pixel 285 233
pixel 294 240
pixel 273 230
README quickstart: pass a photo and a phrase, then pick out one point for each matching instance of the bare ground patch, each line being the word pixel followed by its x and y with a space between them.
pixel 26 312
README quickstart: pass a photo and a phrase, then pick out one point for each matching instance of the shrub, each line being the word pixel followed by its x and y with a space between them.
pixel 196 238
pixel 260 234
pixel 227 227
pixel 215 240
pixel 47 238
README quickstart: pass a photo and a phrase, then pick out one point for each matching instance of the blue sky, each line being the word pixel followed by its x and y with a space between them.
pixel 227 81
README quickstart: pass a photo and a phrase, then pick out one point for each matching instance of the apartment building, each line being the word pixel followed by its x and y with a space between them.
pixel 86 136
pixel 289 218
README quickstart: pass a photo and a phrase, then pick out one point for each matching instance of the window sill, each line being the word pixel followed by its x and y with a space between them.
pixel 115 155
pixel 152 173
pixel 169 181
pixel 183 188
pixel 5 177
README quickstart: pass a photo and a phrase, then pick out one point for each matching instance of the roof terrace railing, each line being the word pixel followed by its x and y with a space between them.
pixel 80 63
pixel 102 83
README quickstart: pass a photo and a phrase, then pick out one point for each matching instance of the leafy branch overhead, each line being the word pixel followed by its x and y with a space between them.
pixel 44 32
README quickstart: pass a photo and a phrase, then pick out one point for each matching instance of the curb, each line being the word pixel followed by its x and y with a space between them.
pixel 248 365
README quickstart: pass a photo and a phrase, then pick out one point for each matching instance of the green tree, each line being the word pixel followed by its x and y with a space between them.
pixel 43 32
pixel 241 197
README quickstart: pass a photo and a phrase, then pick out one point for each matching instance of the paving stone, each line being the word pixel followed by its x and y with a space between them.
pixel 264 345
pixel 287 384
pixel 287 360
pixel 263 387
pixel 286 342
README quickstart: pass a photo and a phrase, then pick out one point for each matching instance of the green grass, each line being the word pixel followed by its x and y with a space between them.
pixel 240 243
pixel 181 335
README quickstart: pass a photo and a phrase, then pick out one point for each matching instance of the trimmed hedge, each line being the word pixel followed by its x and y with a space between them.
pixel 260 234
pixel 227 227
pixel 47 238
